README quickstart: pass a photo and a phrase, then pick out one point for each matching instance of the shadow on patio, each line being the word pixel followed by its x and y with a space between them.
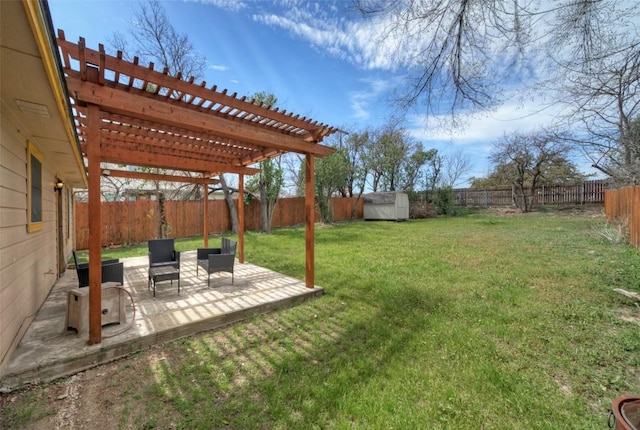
pixel 49 350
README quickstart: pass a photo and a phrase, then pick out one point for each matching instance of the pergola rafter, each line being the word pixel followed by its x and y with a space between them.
pixel 126 113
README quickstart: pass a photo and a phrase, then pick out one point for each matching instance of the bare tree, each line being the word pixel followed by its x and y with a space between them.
pixel 462 54
pixel 394 159
pixel 233 211
pixel 268 183
pixel 355 151
pixel 330 178
pixel 606 102
pixel 525 159
pixel 152 38
pixel 455 165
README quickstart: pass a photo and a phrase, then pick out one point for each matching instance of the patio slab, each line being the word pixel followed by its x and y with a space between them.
pixel 49 350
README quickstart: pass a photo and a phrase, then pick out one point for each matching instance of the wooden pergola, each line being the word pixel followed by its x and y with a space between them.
pixel 132 115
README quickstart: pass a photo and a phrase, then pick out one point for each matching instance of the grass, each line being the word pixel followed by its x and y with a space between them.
pixel 29 410
pixel 469 322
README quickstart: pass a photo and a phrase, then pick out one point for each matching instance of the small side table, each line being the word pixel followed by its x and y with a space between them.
pixel 163 273
pixel 113 307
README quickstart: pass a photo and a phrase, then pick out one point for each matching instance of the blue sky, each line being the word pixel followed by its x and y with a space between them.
pixel 319 59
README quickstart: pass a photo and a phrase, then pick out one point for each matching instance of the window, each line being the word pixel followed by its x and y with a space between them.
pixel 34 189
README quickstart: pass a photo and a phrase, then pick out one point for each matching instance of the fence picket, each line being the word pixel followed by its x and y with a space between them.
pixel 585 192
pixel 137 221
pixel 623 205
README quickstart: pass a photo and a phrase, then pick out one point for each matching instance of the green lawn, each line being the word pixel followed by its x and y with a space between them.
pixel 474 322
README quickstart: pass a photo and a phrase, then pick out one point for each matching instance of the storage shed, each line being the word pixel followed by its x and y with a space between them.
pixel 393 206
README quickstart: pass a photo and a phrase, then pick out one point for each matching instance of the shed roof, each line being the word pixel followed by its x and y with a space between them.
pixel 382 198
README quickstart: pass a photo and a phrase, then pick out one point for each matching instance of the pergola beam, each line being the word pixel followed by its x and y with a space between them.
pixel 158 177
pixel 120 141
pixel 140 157
pixel 141 106
pixel 185 91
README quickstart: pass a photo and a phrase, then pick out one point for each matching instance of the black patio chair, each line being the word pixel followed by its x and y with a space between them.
pixel 162 253
pixel 217 259
pixel 164 262
pixel 112 271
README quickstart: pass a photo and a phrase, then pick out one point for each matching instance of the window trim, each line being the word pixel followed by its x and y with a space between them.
pixel 33 153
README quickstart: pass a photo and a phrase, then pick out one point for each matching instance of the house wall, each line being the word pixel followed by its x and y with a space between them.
pixel 28 261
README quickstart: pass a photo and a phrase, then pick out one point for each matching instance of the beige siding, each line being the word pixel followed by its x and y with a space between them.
pixel 28 267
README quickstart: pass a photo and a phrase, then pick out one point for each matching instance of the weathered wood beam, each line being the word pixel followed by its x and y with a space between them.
pixel 205 215
pixel 127 124
pixel 309 209
pixel 258 157
pixel 147 108
pixel 137 157
pixel 95 227
pixel 157 177
pixel 186 88
pixel 119 140
pixel 241 218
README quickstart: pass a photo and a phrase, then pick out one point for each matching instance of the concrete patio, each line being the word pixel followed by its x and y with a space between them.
pixel 49 350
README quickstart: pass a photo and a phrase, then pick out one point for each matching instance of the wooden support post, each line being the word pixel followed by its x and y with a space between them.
pixel 309 209
pixel 241 218
pixel 95 225
pixel 205 221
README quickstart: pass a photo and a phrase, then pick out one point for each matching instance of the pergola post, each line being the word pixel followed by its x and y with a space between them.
pixel 309 209
pixel 241 218
pixel 205 212
pixel 95 225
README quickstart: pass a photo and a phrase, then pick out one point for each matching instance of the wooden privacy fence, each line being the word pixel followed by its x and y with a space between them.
pixel 623 205
pixel 582 193
pixel 137 221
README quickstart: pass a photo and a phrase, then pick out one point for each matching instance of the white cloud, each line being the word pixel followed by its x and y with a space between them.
pixel 478 132
pixel 231 5
pixel 219 67
pixel 485 127
pixel 353 40
pixel 365 99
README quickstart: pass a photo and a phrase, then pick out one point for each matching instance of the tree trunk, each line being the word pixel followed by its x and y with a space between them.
pixel 233 212
pixel 354 213
pixel 264 208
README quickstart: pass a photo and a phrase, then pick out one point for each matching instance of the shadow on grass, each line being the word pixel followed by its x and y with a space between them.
pixel 292 369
